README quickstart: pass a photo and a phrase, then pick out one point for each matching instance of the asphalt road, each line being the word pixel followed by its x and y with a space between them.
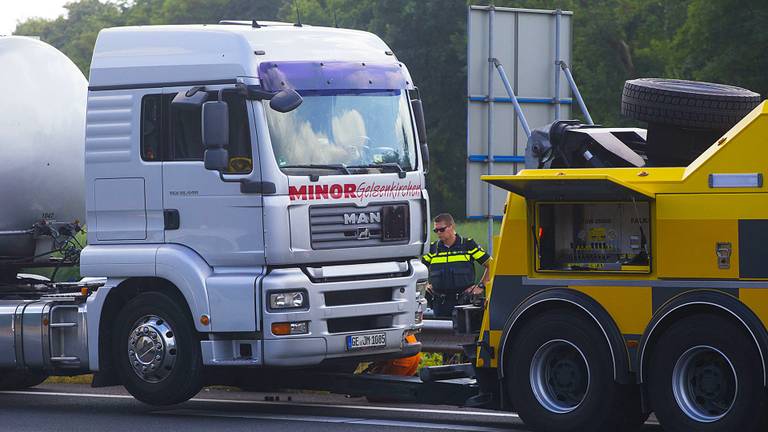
pixel 62 407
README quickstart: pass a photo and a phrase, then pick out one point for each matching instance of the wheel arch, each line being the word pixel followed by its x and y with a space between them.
pixel 574 300
pixel 703 301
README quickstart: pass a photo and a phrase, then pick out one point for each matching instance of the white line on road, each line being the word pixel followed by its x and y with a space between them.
pixel 324 419
pixel 294 404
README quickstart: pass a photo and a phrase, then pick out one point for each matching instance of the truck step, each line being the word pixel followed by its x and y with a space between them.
pixel 67 359
pixel 63 324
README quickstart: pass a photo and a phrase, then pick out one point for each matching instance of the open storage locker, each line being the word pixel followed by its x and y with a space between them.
pixel 587 223
pixel 593 236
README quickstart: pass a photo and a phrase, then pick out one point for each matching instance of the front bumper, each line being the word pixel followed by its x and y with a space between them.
pixel 353 311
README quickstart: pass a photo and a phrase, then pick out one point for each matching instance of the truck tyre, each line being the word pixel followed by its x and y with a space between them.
pixel 559 377
pixel 691 104
pixel 705 374
pixel 157 350
pixel 15 380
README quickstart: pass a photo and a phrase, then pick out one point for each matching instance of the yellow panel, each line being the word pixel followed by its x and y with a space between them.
pixel 757 300
pixel 686 248
pixel 712 206
pixel 630 307
pixel 512 248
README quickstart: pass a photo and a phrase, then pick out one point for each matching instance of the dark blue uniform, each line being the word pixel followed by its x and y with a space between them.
pixel 451 271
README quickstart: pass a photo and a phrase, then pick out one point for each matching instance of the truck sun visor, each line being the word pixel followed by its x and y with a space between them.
pixel 305 75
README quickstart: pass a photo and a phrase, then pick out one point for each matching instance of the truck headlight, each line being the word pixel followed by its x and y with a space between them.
pixel 288 300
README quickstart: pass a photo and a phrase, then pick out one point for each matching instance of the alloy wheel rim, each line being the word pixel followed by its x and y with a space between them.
pixel 152 348
pixel 704 384
pixel 559 376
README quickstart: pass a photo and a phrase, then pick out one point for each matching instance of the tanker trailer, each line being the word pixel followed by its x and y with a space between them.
pixel 42 128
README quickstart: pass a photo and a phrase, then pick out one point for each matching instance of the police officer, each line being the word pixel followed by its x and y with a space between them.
pixel 451 272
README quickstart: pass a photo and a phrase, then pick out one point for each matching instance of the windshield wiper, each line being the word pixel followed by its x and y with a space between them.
pixel 337 167
pixel 394 166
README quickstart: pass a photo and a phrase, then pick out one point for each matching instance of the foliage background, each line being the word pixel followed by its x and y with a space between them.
pixel 614 40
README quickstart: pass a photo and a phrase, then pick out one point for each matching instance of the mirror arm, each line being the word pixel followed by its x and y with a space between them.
pixel 191 92
pixel 255 92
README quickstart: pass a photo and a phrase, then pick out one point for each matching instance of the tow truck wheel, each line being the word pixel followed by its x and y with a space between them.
pixel 705 374
pixel 157 350
pixel 559 377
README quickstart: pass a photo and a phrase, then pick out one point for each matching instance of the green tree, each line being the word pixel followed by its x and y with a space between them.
pixel 76 34
pixel 722 41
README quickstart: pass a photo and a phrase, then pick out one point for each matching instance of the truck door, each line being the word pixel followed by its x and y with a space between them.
pixel 203 212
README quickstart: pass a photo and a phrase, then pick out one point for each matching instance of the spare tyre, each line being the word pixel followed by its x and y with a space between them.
pixel 688 104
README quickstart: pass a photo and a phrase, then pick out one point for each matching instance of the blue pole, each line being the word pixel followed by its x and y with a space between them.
pixel 518 110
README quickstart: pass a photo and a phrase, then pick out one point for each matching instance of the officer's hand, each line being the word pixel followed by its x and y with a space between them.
pixel 474 290
pixel 429 288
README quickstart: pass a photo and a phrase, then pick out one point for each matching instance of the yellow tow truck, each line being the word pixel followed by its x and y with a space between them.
pixel 621 289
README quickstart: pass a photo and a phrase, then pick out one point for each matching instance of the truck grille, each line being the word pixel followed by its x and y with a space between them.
pixel 373 322
pixel 363 296
pixel 347 226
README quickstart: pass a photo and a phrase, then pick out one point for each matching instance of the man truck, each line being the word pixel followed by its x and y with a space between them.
pixel 253 194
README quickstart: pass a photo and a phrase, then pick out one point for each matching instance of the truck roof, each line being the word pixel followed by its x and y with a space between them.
pixel 156 56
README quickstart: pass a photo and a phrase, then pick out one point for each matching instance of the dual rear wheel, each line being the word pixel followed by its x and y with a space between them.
pixel 704 374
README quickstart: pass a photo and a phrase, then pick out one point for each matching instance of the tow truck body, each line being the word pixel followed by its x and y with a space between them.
pixel 568 238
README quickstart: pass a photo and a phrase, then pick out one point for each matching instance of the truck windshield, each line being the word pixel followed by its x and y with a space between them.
pixel 359 130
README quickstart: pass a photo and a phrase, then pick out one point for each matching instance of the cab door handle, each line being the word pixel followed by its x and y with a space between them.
pixel 172 219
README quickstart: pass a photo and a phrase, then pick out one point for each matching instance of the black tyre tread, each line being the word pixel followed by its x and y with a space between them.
pixel 187 377
pixel 647 100
pixel 749 411
pixel 611 408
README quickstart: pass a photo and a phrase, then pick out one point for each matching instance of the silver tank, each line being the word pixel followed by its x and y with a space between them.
pixel 42 129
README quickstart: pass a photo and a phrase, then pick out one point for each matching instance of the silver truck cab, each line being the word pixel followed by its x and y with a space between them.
pixel 296 245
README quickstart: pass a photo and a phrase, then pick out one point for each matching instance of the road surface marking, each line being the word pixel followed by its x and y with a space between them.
pixel 345 420
pixel 300 404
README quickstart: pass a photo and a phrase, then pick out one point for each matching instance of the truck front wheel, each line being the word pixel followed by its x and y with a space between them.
pixel 157 350
pixel 559 377
pixel 705 374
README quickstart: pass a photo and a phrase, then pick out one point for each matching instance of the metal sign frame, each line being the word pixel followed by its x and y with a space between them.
pixel 535 46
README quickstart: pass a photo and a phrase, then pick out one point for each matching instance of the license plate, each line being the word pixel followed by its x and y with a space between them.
pixel 366 341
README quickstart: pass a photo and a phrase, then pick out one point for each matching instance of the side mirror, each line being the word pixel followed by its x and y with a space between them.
pixel 421 127
pixel 215 133
pixel 421 131
pixel 285 100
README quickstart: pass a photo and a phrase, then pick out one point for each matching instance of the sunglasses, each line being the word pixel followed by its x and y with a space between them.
pixel 439 230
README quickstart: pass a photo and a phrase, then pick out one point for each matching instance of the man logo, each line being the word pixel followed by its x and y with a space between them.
pixel 363 234
pixel 362 218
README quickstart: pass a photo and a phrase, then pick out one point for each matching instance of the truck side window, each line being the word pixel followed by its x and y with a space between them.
pixel 151 127
pixel 186 140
